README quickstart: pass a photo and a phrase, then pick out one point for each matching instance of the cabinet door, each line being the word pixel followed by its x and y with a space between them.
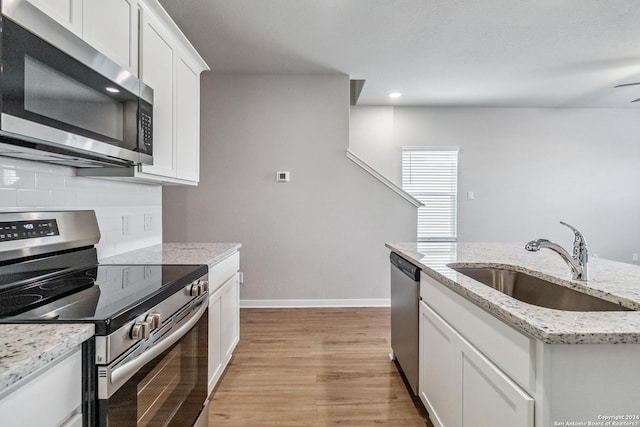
pixel 439 382
pixel 111 26
pixel 215 351
pixel 490 398
pixel 230 317
pixel 187 122
pixel 67 13
pixel 49 397
pixel 157 71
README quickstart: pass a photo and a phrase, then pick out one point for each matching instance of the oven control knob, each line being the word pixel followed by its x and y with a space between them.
pixel 204 284
pixel 198 288
pixel 154 320
pixel 194 289
pixel 140 331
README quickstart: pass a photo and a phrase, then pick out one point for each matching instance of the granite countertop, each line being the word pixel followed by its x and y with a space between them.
pixel 614 281
pixel 25 348
pixel 177 253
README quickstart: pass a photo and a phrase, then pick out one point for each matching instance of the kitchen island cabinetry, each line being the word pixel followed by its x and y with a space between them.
pixel 458 385
pixel 489 359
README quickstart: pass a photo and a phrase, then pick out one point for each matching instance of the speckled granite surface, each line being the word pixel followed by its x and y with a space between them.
pixel 177 253
pixel 614 281
pixel 26 348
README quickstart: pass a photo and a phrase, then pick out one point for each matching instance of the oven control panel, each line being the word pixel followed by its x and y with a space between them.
pixel 20 230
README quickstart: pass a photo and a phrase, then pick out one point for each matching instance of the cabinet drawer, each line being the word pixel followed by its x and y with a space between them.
pixel 509 349
pixel 48 398
pixel 222 271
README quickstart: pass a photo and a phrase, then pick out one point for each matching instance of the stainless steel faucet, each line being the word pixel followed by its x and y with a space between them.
pixel 579 262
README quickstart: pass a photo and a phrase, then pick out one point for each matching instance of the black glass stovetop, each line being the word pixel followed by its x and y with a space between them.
pixel 106 295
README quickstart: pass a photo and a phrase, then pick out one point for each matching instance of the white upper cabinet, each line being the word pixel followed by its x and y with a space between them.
pixel 111 26
pixel 187 121
pixel 157 70
pixel 67 13
pixel 141 37
pixel 170 65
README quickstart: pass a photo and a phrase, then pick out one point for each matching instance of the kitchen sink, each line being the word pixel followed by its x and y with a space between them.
pixel 533 290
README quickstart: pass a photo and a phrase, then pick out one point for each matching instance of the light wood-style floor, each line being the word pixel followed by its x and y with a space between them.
pixel 314 367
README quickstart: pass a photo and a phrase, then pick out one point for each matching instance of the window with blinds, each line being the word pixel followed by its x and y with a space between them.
pixel 430 175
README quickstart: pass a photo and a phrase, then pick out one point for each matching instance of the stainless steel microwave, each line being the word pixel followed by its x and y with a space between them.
pixel 62 101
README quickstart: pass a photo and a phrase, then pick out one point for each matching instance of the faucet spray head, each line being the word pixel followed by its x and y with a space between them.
pixel 534 245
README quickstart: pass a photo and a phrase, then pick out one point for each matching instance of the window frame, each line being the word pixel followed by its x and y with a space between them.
pixel 445 186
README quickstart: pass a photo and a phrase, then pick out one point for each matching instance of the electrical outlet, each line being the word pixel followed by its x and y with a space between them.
pixel 149 272
pixel 127 278
pixel 148 221
pixel 634 257
pixel 126 225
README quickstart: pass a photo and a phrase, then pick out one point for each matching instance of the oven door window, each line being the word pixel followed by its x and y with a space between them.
pixel 42 84
pixel 168 391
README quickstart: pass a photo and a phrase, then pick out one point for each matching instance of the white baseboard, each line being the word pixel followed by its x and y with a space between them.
pixel 306 303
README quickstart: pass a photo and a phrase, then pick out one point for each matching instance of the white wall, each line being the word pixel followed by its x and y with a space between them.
pixel 530 168
pixel 320 236
pixel 371 138
pixel 26 185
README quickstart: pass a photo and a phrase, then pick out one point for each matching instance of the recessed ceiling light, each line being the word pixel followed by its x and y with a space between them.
pixel 112 89
pixel 394 95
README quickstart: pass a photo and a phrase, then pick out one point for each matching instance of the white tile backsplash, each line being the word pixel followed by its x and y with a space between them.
pixel 26 185
pixel 8 197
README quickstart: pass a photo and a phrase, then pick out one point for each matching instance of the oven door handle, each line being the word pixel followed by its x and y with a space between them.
pixel 122 373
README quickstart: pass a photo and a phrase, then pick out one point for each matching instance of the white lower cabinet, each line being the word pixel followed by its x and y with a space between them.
pixel 51 397
pixel 224 316
pixel 489 397
pixel 230 317
pixel 215 345
pixel 439 383
pixel 224 328
pixel 462 388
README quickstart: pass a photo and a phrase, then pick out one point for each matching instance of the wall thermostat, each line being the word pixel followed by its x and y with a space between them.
pixel 282 176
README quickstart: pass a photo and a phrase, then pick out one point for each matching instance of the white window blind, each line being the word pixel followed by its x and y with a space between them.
pixel 430 175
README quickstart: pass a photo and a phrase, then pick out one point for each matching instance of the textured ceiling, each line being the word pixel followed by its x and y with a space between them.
pixel 522 53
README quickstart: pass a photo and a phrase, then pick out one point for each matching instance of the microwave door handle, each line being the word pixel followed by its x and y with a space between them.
pixel 122 373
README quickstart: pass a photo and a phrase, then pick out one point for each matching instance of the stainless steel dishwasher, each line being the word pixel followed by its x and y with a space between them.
pixel 405 299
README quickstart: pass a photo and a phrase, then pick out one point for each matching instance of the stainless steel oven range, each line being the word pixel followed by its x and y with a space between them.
pixel 147 364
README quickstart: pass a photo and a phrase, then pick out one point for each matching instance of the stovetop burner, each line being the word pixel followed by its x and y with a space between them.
pixel 13 304
pixel 54 275
pixel 107 295
pixel 71 283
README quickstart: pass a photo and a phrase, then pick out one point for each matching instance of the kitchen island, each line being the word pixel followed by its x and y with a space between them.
pixel 489 359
